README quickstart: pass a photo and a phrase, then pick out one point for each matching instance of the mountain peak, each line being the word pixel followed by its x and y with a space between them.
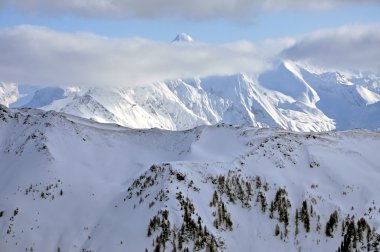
pixel 183 37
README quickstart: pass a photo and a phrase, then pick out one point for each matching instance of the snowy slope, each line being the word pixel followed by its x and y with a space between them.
pixel 71 184
pixel 351 105
pixel 289 96
pixel 8 93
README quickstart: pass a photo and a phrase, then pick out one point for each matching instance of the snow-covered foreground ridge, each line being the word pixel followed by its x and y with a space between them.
pixel 290 97
pixel 70 184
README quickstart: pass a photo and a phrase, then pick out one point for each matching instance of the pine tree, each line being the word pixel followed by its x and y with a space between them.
pixel 271 210
pixel 331 224
pixel 296 220
pixel 305 216
pixel 258 182
pixel 157 248
pixel 180 241
pixel 277 230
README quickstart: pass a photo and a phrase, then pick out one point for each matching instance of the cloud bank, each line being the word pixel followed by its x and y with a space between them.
pixel 346 48
pixel 194 9
pixel 38 55
pixel 41 56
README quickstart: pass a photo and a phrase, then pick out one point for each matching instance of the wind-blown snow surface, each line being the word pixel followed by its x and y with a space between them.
pixel 71 184
pixel 289 97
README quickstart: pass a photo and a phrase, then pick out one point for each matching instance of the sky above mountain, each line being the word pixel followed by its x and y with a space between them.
pixel 128 42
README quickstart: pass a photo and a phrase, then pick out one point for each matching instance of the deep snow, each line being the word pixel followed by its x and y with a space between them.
pixel 73 184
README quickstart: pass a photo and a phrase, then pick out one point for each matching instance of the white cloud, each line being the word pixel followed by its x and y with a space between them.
pixel 346 48
pixel 38 55
pixel 192 9
pixel 41 56
pixel 310 4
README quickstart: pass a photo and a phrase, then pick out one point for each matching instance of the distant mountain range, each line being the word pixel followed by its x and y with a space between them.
pixel 290 96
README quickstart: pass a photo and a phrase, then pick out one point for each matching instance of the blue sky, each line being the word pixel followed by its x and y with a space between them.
pixel 271 24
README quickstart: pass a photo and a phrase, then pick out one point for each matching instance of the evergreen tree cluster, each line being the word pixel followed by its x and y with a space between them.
pixel 11 220
pixel 331 224
pixel 180 239
pixel 180 177
pixel 160 221
pixel 193 231
pixel 281 204
pixel 146 180
pixel 272 146
pixel 222 216
pixel 260 184
pixel 47 191
pixel 304 216
pixel 358 236
pixel 236 189
pixel 162 195
pixel 262 200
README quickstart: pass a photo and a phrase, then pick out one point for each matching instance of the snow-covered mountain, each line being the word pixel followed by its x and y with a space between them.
pixel 183 37
pixel 8 93
pixel 289 96
pixel 71 184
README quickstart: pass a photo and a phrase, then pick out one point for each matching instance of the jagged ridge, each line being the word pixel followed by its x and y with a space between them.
pixel 289 96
